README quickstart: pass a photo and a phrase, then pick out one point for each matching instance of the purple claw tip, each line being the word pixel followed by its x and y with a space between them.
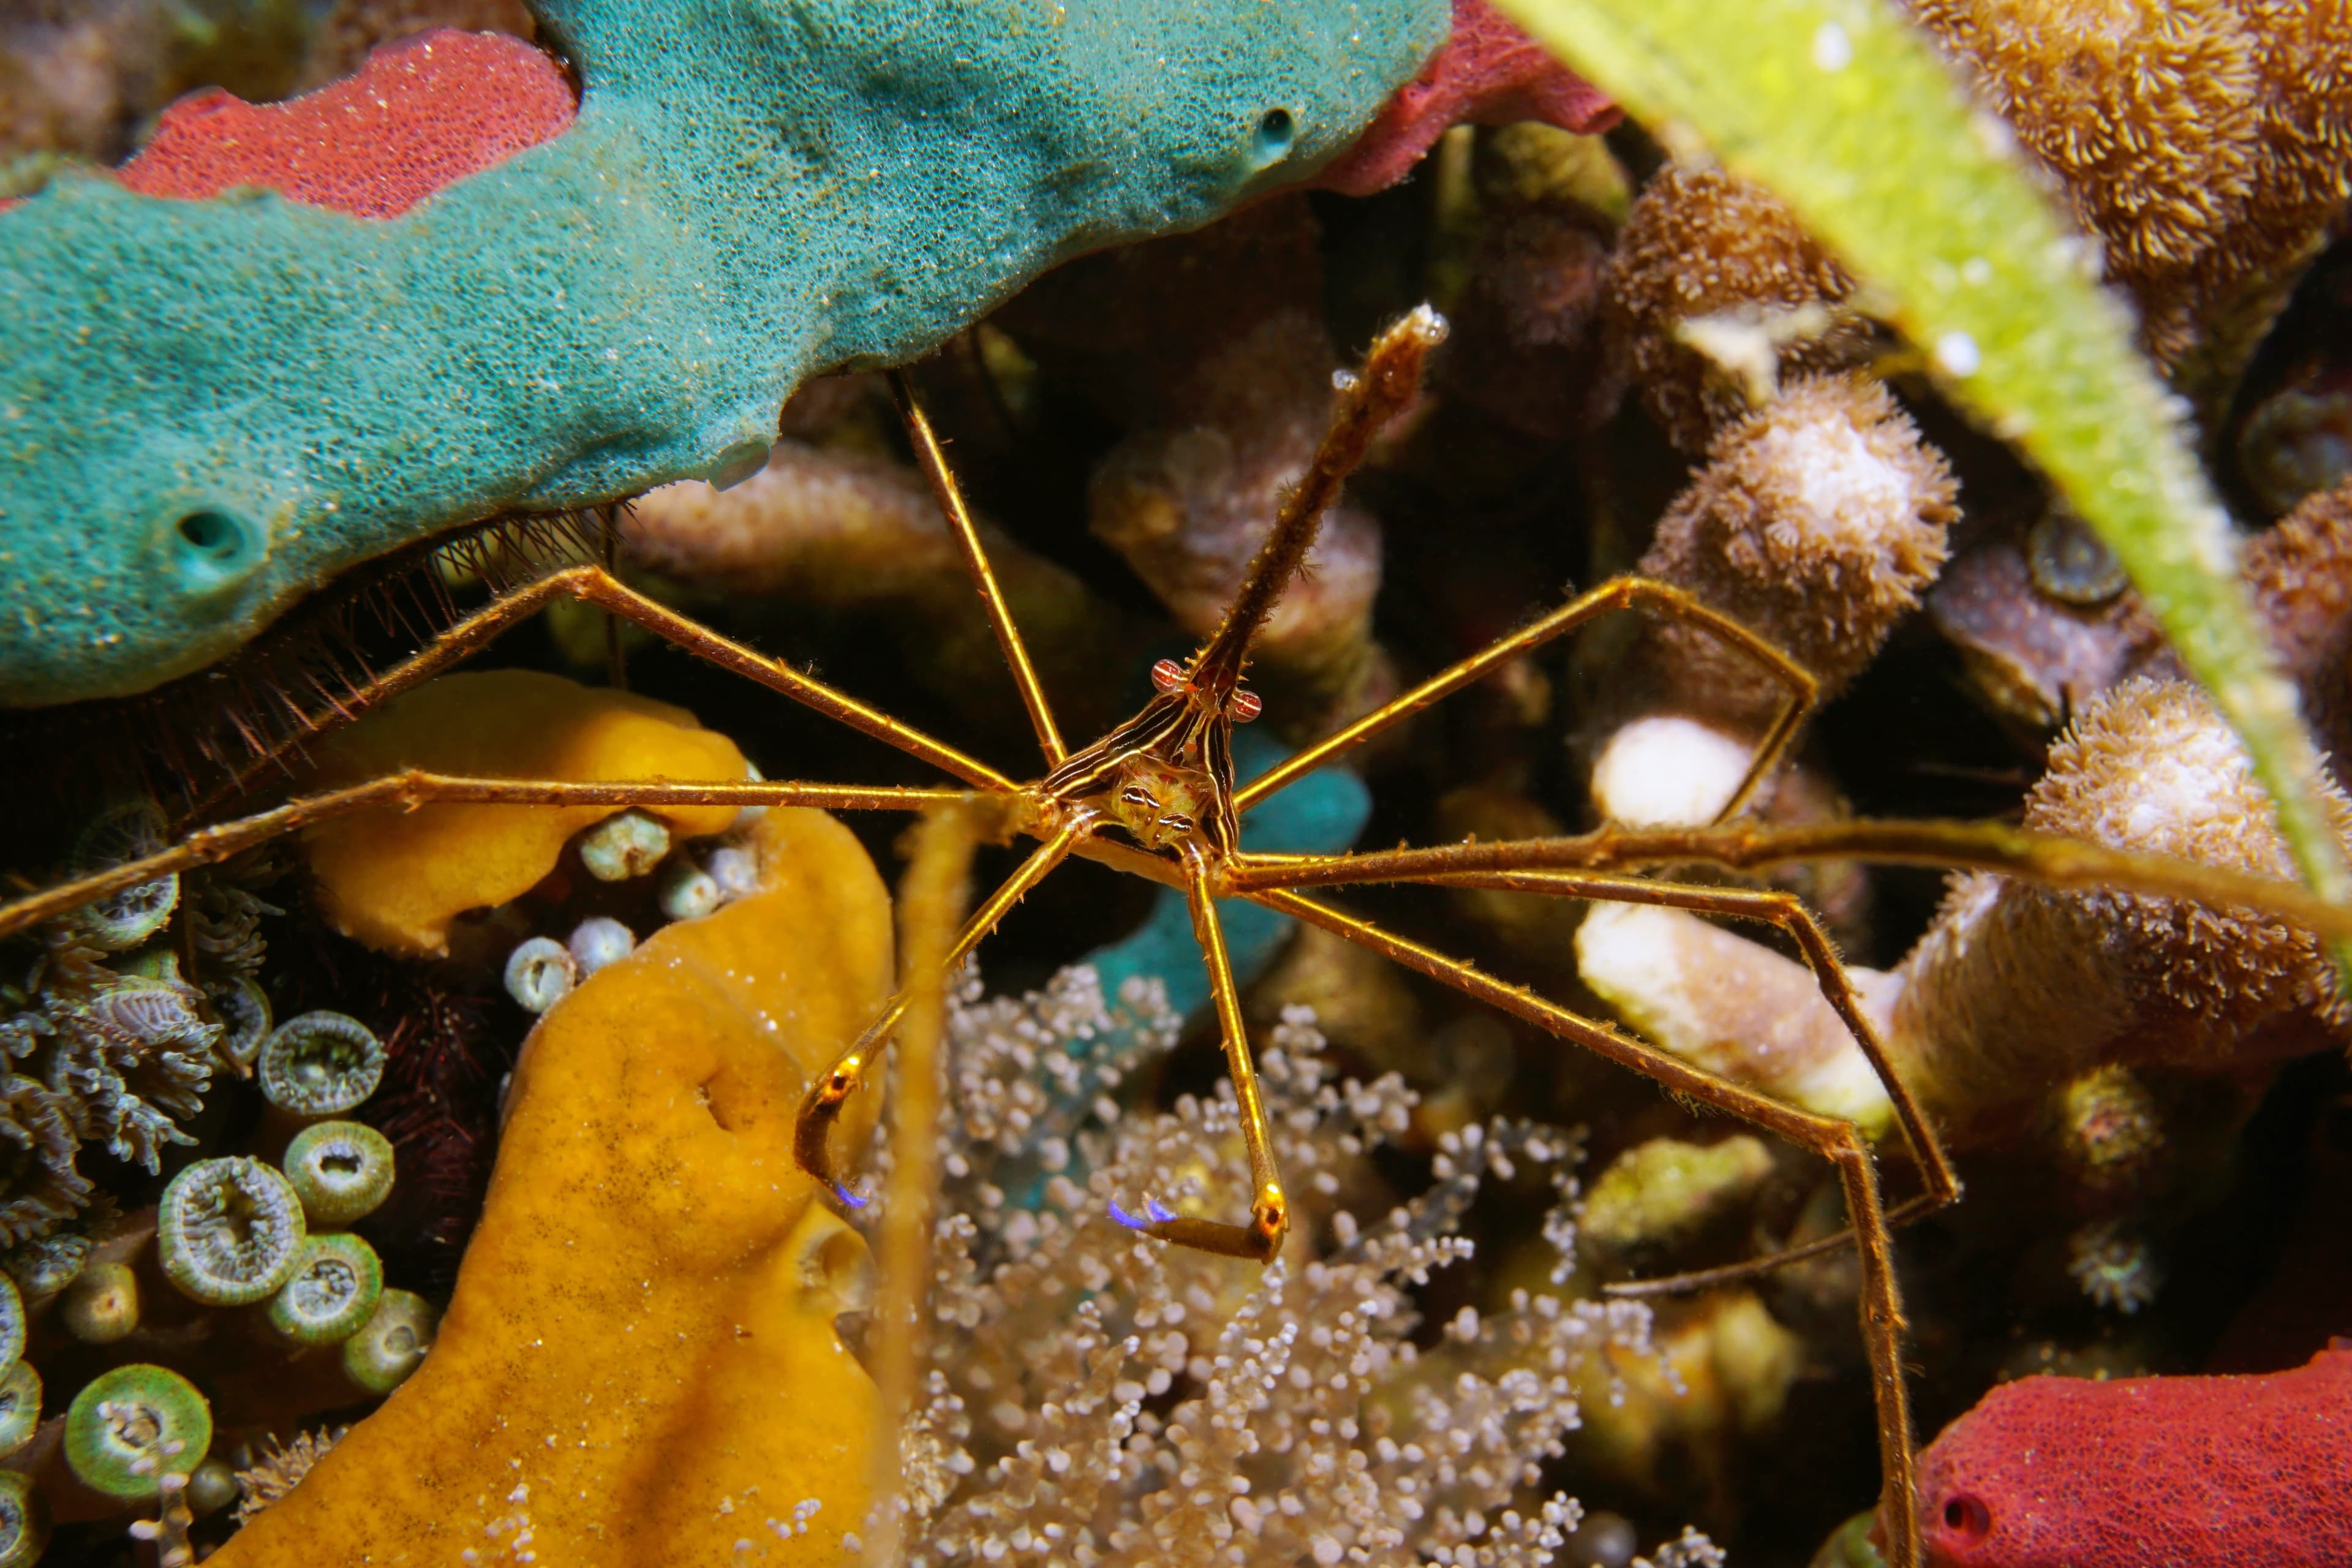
pixel 848 1198
pixel 1158 1210
pixel 1133 1222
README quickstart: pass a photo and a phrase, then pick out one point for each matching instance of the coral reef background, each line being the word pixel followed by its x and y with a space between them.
pixel 1653 366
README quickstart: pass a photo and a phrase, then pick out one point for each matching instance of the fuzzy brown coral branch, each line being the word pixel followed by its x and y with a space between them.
pixel 1701 245
pixel 1816 523
pixel 1210 352
pixel 2017 989
pixel 2203 142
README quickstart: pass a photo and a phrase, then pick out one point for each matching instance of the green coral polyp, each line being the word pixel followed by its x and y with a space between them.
pixel 225 403
pixel 341 1171
pixel 392 1343
pixel 24 1521
pixel 242 1008
pixel 130 1427
pixel 122 921
pixel 321 1064
pixel 102 1306
pixel 333 1291
pixel 20 1408
pixel 230 1231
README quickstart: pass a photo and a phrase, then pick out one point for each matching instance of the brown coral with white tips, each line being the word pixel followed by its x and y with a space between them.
pixel 2300 573
pixel 1185 501
pixel 1817 521
pixel 2018 989
pixel 2016 986
pixel 1702 245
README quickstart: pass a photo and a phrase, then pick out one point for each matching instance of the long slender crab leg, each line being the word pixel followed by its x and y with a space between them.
pixel 591 584
pixel 208 846
pixel 1391 376
pixel 1788 912
pixel 1269 1219
pixel 1617 594
pixel 949 496
pixel 1839 1142
pixel 2043 857
pixel 829 1095
pixel 1777 909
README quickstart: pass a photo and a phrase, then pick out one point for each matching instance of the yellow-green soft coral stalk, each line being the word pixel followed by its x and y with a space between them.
pixel 1847 113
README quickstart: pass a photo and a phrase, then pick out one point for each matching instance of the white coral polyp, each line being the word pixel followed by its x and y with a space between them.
pixel 1667 772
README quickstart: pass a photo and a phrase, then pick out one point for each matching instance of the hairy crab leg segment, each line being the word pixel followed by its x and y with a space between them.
pixel 1368 400
pixel 949 496
pixel 1788 912
pixel 207 846
pixel 591 584
pixel 829 1095
pixel 1269 1220
pixel 1617 594
pixel 1839 1142
pixel 2041 857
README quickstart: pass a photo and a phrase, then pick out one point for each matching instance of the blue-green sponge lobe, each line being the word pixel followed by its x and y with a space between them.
pixel 209 408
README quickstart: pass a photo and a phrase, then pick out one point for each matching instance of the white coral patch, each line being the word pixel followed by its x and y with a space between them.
pixel 1849 493
pixel 1667 773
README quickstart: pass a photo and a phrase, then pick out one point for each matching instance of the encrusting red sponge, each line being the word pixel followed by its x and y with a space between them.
pixel 1488 73
pixel 2188 1472
pixel 420 114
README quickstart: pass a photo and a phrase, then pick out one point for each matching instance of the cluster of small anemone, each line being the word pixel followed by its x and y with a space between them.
pixel 124 1049
pixel 542 971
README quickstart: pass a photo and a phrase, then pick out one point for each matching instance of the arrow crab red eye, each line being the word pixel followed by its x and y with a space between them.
pixel 1167 677
pixel 1245 706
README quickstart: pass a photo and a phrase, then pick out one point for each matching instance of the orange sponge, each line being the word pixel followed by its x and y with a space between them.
pixel 394 879
pixel 640 1365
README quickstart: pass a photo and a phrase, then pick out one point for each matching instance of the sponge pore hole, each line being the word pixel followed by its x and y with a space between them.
pixel 1274 130
pixel 214 547
pixel 1968 1515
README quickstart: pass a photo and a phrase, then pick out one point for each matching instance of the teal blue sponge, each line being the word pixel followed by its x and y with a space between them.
pixel 208 408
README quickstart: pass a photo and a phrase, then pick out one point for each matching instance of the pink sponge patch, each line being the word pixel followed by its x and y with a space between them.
pixel 2189 1472
pixel 421 113
pixel 1488 73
